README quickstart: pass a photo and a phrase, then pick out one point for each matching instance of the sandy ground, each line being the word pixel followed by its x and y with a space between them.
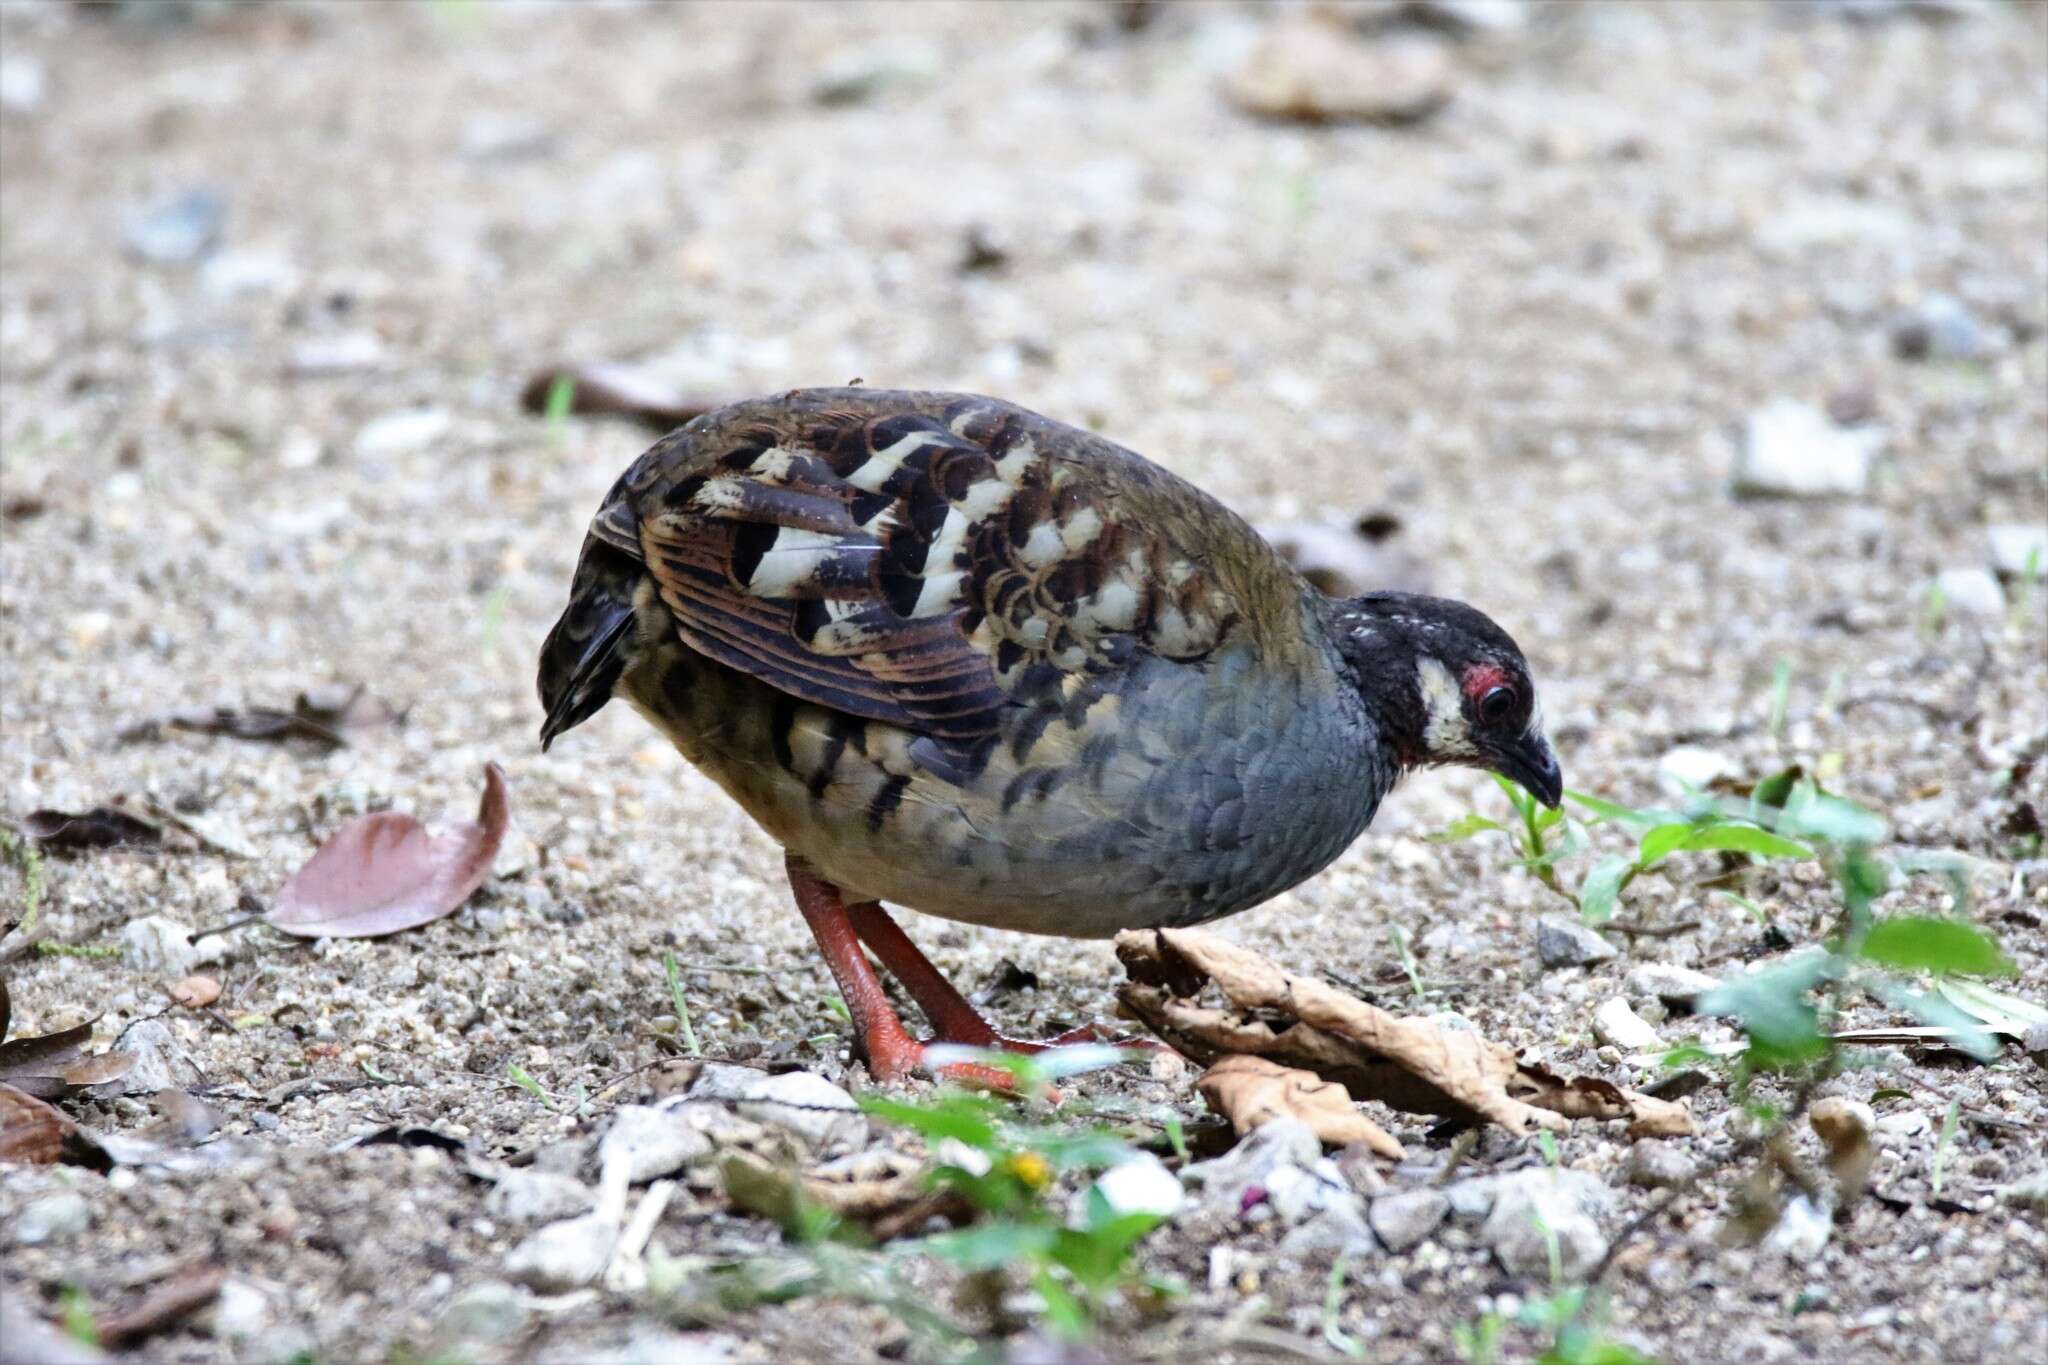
pixel 1528 326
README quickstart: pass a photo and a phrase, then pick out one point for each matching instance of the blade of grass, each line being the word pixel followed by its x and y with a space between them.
pixel 675 995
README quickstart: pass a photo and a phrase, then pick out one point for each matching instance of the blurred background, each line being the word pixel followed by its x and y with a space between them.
pixel 1701 344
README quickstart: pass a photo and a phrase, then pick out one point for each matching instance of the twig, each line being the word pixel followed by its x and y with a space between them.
pixel 1634 930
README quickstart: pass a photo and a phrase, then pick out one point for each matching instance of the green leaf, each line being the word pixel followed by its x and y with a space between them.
pixel 1719 834
pixel 2002 1012
pixel 1772 1009
pixel 1621 815
pixel 1662 841
pixel 1922 943
pixel 1466 828
pixel 1601 890
pixel 1745 839
pixel 965 1117
pixel 1096 1256
pixel 1065 1313
pixel 993 1245
pixel 1814 813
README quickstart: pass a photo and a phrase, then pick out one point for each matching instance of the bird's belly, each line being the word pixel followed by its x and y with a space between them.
pixel 1193 812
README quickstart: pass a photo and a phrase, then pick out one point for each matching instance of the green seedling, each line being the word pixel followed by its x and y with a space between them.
pixel 517 1074
pixel 1948 1137
pixel 682 1006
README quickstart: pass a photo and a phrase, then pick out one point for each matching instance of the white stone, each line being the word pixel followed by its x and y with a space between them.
pixel 1533 1206
pixel 22 83
pixel 401 433
pixel 2018 549
pixel 1674 985
pixel 1141 1185
pixel 53 1218
pixel 1689 768
pixel 645 1143
pixel 1615 1023
pixel 566 1255
pixel 242 1312
pixel 237 274
pixel 523 1197
pixel 800 1102
pixel 1793 449
pixel 1968 592
pixel 1562 941
pixel 160 946
pixel 1801 1231
pixel 1905 1123
pixel 1402 1220
pixel 1830 222
pixel 342 353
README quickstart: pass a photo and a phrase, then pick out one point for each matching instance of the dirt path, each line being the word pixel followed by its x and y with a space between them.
pixel 1530 327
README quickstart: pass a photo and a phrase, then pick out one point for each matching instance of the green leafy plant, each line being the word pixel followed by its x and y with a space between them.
pixel 682 1005
pixel 1013 1167
pixel 1009 1170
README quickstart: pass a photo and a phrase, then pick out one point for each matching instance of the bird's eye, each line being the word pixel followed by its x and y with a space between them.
pixel 1497 706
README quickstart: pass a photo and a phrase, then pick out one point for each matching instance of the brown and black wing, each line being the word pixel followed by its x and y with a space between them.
pixel 920 559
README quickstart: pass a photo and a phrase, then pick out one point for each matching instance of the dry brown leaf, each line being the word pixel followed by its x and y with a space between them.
pixel 195 992
pixel 1251 1091
pixel 48 1066
pixel 36 1132
pixel 1408 1064
pixel 164 1304
pixel 100 827
pixel 885 1190
pixel 383 872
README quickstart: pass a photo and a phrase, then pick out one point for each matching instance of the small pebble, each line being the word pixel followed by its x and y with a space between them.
pixel 1653 1164
pixel 178 230
pixel 1564 942
pixel 53 1218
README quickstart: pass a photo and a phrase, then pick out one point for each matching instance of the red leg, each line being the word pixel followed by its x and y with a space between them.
pixel 956 1020
pixel 891 1053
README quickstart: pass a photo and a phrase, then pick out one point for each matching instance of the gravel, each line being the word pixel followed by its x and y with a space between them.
pixel 1531 327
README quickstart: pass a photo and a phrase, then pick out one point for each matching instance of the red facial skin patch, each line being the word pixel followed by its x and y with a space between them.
pixel 1483 678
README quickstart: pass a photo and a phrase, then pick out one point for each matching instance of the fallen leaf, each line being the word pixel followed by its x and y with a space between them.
pixel 48 1066
pixel 35 1131
pixel 1408 1064
pixel 195 992
pixel 886 1191
pixel 612 389
pixel 100 827
pixel 321 716
pixel 1251 1091
pixel 383 872
pixel 164 1304
pixel 1844 1126
pixel 1999 1011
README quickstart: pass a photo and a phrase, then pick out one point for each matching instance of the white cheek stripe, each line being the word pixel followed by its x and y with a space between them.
pixel 1445 733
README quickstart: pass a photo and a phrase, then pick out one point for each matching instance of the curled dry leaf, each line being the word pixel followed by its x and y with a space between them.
pixel 884 1190
pixel 613 389
pixel 34 1131
pixel 195 992
pixel 1408 1064
pixel 1251 1091
pixel 1844 1126
pixel 48 1066
pixel 383 872
pixel 100 827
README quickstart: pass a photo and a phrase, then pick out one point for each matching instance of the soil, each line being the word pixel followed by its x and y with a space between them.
pixel 1528 326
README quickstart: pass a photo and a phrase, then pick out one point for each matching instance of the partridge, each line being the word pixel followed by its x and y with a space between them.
pixel 962 658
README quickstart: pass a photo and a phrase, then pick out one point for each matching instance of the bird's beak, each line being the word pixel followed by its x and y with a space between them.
pixel 1529 761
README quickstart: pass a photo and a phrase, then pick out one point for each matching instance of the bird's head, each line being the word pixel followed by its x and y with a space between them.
pixel 1446 685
